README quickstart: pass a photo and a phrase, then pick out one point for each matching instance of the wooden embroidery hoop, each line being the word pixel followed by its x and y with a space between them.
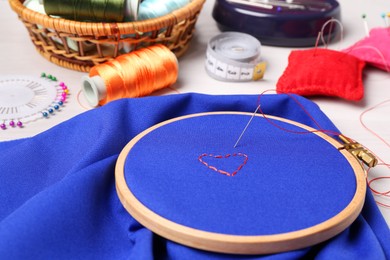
pixel 237 244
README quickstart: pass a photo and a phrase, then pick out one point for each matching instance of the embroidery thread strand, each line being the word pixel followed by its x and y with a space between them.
pixel 211 167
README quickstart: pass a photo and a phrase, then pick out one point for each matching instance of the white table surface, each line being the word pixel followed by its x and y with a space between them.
pixel 19 57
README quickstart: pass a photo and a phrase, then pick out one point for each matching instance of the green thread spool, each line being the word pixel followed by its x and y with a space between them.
pixel 87 10
pixel 37 6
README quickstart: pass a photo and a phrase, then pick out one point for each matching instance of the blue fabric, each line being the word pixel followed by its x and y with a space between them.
pixel 58 197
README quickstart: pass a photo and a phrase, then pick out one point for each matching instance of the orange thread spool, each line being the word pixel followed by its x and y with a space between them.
pixel 135 74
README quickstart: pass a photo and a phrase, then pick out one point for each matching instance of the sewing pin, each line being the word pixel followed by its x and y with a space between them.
pixel 365 24
pixel 385 19
pixel 243 131
pixel 387 22
pixel 388 16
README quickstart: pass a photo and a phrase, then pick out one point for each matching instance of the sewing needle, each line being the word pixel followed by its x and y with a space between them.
pixel 243 131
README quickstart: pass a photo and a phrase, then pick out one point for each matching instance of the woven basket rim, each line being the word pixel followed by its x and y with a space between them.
pixel 104 28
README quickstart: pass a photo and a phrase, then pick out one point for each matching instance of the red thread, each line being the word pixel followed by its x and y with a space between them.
pixel 368 129
pixel 79 102
pixel 382 163
pixel 320 129
pixel 174 90
pixel 376 192
pixel 200 158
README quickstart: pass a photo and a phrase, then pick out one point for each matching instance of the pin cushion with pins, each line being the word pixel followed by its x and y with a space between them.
pixel 288 23
pixel 80 45
pixel 26 99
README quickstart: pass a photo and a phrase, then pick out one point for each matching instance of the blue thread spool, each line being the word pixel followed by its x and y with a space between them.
pixel 155 8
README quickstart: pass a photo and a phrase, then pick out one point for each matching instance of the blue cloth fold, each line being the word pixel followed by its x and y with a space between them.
pixel 58 197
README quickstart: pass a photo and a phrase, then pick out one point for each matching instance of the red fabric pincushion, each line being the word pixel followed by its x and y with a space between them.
pixel 322 72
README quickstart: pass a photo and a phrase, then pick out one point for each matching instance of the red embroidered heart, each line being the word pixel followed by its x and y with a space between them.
pixel 244 156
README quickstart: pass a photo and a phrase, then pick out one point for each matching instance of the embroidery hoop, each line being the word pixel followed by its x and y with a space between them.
pixel 237 244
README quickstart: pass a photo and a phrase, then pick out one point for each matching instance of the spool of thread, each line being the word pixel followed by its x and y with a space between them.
pixel 155 8
pixel 93 10
pixel 135 74
pixel 38 7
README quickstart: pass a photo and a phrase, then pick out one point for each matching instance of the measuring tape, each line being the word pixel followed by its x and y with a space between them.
pixel 234 56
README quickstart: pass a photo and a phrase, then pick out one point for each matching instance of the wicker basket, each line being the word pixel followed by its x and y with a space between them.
pixel 82 45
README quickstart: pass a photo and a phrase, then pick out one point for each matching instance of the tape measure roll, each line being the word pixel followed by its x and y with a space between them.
pixel 234 56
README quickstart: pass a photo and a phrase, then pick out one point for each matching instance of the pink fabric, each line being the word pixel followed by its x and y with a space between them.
pixel 374 49
pixel 322 72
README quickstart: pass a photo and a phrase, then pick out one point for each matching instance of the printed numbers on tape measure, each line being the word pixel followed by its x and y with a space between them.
pixel 233 72
pixel 226 71
pixel 210 62
pixel 246 73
